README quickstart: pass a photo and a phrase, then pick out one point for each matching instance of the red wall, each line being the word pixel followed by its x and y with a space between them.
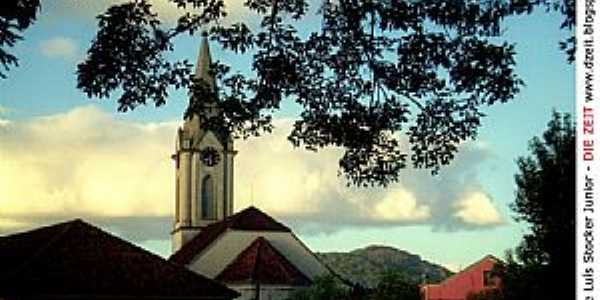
pixel 458 286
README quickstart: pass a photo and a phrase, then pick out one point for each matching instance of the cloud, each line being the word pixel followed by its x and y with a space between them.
pixel 84 163
pixel 401 205
pixel 118 174
pixel 59 47
pixel 453 267
pixel 303 188
pixel 4 110
pixel 477 208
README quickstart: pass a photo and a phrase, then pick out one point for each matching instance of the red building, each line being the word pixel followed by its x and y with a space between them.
pixel 473 279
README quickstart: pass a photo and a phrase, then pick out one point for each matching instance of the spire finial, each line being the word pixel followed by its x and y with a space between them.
pixel 204 61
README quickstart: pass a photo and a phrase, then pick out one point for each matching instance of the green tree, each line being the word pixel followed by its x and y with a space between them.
pixel 323 288
pixel 543 264
pixel 15 17
pixel 425 69
pixel 395 286
pixel 545 196
pixel 489 294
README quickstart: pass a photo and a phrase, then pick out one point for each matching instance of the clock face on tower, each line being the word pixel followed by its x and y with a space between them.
pixel 209 156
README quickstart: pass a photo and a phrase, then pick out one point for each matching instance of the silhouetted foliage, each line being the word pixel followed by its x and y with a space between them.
pixel 527 281
pixel 323 288
pixel 545 197
pixel 488 294
pixel 15 17
pixel 543 265
pixel 372 71
pixel 546 201
pixel 393 286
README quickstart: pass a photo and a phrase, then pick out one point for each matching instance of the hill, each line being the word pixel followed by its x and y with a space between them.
pixel 366 265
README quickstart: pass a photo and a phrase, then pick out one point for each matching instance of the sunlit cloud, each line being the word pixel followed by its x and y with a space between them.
pixel 3 110
pixel 401 205
pixel 86 163
pixel 304 189
pixel 59 47
pixel 477 208
pixel 10 224
pixel 453 267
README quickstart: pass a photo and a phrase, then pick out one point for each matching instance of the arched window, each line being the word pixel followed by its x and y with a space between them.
pixel 207 198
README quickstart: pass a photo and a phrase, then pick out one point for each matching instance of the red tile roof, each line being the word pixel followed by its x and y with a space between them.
pixel 76 259
pixel 250 218
pixel 262 263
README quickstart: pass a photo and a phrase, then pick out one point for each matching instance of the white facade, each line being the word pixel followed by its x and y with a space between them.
pixel 213 260
pixel 267 292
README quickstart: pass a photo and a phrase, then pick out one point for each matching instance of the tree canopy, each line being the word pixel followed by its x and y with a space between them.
pixel 542 266
pixel 545 195
pixel 546 201
pixel 15 17
pixel 374 71
pixel 323 288
pixel 392 286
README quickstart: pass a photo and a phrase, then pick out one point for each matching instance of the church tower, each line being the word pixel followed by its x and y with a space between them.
pixel 203 166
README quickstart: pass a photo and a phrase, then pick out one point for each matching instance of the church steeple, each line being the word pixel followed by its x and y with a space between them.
pixel 203 63
pixel 204 166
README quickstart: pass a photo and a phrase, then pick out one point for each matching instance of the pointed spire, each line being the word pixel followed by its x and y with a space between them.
pixel 204 61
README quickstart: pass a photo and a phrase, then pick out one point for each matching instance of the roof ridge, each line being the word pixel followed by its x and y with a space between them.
pixel 260 244
pixel 469 267
pixel 155 256
pixel 184 255
pixel 68 225
pixel 259 240
pixel 164 260
pixel 52 252
pixel 329 268
pixel 43 227
pixel 249 219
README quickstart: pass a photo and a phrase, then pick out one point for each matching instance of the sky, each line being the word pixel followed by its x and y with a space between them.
pixel 64 156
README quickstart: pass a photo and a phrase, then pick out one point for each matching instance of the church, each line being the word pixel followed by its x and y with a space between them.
pixel 249 251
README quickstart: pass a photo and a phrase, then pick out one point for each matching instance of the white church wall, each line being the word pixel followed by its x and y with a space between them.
pixel 267 292
pixel 213 260
pixel 247 292
pixel 228 205
pixel 184 187
pixel 277 292
pixel 299 255
pixel 181 237
pixel 190 174
pixel 219 174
